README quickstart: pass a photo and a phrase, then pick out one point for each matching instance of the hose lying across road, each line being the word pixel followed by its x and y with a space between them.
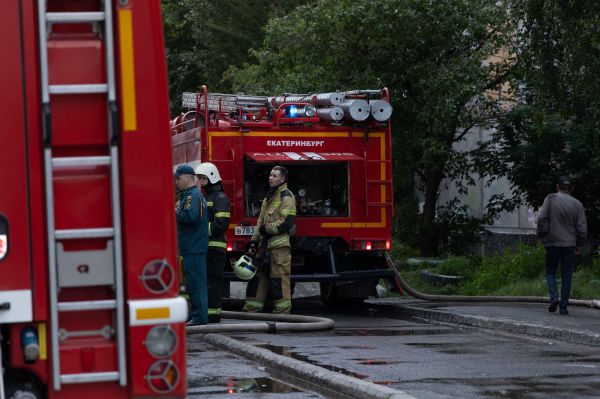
pixel 274 323
pixel 594 303
pixel 269 323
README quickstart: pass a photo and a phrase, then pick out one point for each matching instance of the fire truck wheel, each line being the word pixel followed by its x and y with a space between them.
pixel 22 386
pixel 327 292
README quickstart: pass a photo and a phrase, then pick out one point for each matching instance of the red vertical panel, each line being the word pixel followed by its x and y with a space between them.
pixel 79 122
pixel 147 182
pixel 37 214
pixel 15 268
pixel 147 196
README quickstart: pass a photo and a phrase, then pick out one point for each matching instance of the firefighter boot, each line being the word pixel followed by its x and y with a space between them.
pixel 256 292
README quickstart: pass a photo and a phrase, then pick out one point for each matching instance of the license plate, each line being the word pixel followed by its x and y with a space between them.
pixel 244 230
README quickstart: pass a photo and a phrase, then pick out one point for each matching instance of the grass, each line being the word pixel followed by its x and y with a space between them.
pixel 517 272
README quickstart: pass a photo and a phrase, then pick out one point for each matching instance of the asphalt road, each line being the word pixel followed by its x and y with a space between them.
pixel 214 373
pixel 422 359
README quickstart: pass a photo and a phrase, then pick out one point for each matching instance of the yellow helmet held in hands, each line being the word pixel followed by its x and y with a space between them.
pixel 243 267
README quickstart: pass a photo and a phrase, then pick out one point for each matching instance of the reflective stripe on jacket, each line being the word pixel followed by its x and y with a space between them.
pixel 278 215
pixel 218 216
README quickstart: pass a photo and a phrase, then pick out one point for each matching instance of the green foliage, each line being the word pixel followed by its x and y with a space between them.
pixel 458 231
pixel 586 283
pixel 518 272
pixel 411 275
pixel 595 262
pixel 434 56
pixel 438 59
pixel 523 263
pixel 533 287
pixel 204 38
pixel 558 112
pixel 459 266
pixel 402 251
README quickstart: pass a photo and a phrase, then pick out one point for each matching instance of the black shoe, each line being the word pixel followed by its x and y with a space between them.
pixel 214 318
pixel 553 306
pixel 564 312
pixel 192 322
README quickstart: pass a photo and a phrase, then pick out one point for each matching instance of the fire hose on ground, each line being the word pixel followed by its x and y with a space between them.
pixel 274 323
pixel 266 322
pixel 593 303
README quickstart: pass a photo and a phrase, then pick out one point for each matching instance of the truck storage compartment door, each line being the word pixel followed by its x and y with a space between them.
pixel 15 239
pixel 321 187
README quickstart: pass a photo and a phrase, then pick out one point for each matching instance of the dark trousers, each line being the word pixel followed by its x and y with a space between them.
pixel 215 264
pixel 194 267
pixel 566 257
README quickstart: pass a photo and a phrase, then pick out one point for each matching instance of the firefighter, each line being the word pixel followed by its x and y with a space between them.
pixel 271 244
pixel 192 234
pixel 218 223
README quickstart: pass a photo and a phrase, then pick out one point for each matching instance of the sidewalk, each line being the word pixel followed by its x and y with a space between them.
pixel 581 326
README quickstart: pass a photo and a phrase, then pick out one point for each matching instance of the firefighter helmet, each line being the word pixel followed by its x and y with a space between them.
pixel 243 267
pixel 209 170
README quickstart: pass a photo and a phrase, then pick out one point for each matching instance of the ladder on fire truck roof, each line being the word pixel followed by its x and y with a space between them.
pixel 56 237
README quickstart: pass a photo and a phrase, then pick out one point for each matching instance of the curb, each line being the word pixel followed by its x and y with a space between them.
pixel 511 326
pixel 318 377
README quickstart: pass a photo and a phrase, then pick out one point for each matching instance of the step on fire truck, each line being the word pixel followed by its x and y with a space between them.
pixel 88 287
pixel 337 149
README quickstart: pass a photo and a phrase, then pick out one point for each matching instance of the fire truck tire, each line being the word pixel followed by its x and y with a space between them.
pixel 328 295
pixel 22 386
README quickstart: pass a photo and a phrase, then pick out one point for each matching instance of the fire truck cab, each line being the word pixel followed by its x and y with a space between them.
pixel 337 149
pixel 89 304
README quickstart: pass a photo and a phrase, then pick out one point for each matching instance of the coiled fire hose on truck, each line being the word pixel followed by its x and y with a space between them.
pixel 594 303
pixel 269 323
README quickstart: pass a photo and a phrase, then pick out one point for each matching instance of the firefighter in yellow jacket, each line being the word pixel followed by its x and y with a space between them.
pixel 271 243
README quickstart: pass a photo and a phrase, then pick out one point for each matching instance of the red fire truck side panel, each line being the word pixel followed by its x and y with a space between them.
pixel 34 144
pixel 24 267
pixel 82 195
pixel 148 228
pixel 149 231
pixel 77 60
pixel 15 268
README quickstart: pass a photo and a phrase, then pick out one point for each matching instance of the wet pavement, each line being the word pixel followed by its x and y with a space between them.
pixel 582 325
pixel 425 360
pixel 217 374
pixel 428 350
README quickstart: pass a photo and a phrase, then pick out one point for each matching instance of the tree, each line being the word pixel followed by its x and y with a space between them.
pixel 203 38
pixel 437 58
pixel 555 128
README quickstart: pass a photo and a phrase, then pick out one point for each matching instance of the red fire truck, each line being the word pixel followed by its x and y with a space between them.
pixel 337 149
pixel 88 279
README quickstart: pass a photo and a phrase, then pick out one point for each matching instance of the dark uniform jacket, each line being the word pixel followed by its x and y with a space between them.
pixel 218 216
pixel 192 222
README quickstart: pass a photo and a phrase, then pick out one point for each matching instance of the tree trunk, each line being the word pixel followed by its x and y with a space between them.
pixel 429 236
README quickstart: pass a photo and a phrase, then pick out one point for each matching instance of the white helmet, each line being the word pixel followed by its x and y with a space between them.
pixel 243 267
pixel 209 170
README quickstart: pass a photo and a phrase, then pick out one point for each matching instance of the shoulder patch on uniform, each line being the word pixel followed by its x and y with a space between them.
pixel 188 202
pixel 286 193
